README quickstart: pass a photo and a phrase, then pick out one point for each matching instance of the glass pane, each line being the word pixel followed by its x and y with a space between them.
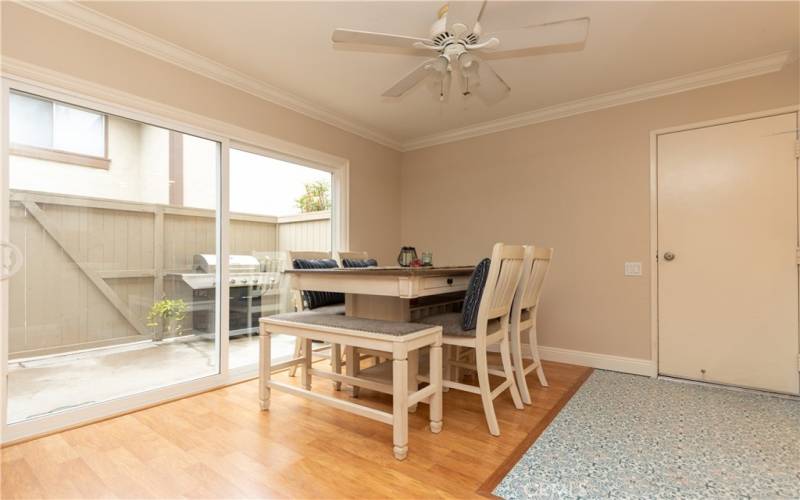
pixel 139 170
pixel 276 206
pixel 199 174
pixel 78 131
pixel 30 121
pixel 114 297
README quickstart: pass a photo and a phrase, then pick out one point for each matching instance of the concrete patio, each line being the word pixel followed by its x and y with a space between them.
pixel 45 385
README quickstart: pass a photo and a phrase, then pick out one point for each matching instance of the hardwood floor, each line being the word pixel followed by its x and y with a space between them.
pixel 219 445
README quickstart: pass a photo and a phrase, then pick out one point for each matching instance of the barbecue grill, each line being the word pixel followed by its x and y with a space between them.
pixel 248 286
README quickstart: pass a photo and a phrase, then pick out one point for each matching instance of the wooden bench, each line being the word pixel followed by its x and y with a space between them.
pixel 395 338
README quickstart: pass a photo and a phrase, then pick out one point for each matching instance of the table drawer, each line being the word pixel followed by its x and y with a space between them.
pixel 445 283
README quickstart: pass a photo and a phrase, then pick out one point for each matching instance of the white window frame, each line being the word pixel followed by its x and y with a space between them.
pixel 50 84
pixel 61 155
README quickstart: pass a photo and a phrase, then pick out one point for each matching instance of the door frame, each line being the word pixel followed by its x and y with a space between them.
pixel 653 258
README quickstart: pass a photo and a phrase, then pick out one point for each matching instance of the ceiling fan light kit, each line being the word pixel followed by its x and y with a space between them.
pixel 456 39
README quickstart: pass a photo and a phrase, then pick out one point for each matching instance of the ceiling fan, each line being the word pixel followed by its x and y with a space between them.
pixel 455 42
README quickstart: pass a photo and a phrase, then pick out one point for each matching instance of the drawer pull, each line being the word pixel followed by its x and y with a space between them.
pixel 449 281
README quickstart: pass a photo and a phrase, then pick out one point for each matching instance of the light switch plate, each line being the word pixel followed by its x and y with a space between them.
pixel 633 269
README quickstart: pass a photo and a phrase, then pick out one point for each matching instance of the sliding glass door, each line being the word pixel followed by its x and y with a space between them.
pixel 276 206
pixel 138 253
pixel 115 225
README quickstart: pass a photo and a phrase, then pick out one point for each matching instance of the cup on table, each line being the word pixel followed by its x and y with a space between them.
pixel 427 259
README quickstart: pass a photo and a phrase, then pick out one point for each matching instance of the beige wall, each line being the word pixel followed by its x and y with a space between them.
pixel 579 184
pixel 374 169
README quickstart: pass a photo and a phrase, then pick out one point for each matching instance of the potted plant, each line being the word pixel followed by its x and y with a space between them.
pixel 166 316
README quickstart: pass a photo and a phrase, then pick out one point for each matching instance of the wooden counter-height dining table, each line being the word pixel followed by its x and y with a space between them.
pixel 390 293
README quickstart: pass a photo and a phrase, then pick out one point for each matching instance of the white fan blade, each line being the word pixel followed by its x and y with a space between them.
pixel 462 16
pixel 370 38
pixel 417 75
pixel 490 86
pixel 542 35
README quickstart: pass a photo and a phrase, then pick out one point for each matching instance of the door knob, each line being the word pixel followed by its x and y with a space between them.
pixel 668 256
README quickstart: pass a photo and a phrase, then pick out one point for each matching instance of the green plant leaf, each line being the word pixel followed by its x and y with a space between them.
pixel 316 198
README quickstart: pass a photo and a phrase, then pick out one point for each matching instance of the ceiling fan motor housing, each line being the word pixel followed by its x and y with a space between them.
pixel 441 37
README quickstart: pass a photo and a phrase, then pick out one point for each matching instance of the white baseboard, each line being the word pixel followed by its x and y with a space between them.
pixel 635 366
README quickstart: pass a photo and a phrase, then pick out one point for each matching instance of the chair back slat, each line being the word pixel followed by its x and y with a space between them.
pixel 533 277
pixel 307 255
pixel 506 283
pixel 501 283
pixel 362 255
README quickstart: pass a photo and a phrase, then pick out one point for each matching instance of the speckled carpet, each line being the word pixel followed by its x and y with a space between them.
pixel 624 436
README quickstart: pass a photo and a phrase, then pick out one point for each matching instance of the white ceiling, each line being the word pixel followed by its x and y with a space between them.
pixel 287 45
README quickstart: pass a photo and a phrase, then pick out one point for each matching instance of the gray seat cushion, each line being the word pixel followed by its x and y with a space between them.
pixel 451 324
pixel 332 309
pixel 397 328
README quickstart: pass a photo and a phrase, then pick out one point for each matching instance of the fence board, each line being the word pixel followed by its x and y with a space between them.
pixel 313 235
pixel 59 301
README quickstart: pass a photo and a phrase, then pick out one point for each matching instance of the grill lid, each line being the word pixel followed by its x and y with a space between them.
pixel 207 263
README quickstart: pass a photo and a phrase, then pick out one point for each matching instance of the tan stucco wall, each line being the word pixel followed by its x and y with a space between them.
pixel 138 172
pixel 579 184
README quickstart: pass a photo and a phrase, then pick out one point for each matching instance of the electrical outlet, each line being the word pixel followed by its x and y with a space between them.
pixel 633 269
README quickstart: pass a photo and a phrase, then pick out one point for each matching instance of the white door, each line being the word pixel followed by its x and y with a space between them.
pixel 727 263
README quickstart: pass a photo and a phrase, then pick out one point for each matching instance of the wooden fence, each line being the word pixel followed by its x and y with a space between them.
pixel 94 267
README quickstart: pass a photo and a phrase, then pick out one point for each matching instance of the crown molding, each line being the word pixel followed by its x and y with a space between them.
pixel 112 29
pixel 714 76
pixel 73 13
pixel 161 113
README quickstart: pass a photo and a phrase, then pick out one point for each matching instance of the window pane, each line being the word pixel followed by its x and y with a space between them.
pixel 199 174
pixel 264 186
pixel 30 121
pixel 78 131
pixel 139 169
pixel 112 299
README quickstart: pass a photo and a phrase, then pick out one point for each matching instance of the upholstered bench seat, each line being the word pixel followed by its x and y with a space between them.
pixel 396 328
pixel 396 339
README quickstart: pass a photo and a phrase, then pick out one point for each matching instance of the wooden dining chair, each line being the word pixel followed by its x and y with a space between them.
pixel 332 351
pixel 357 259
pixel 492 326
pixel 359 255
pixel 523 317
